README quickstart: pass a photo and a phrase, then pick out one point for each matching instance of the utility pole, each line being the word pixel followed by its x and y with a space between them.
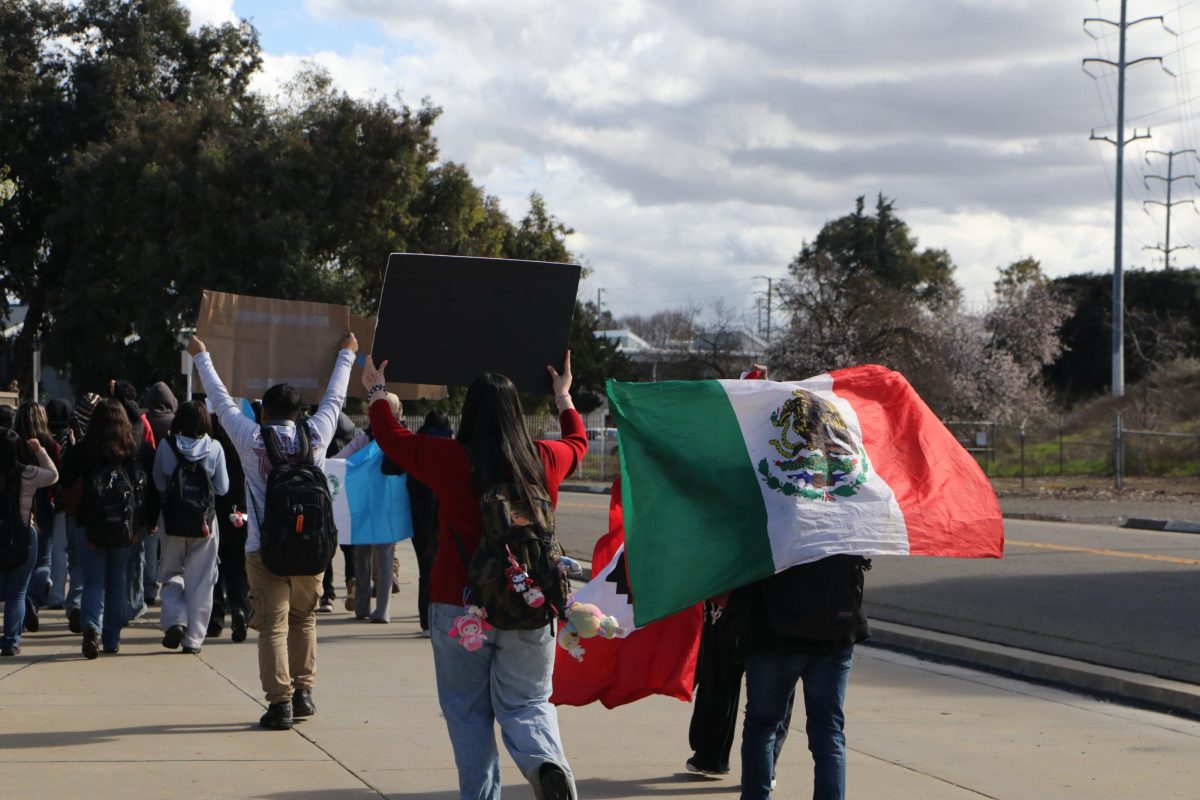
pixel 599 304
pixel 1122 26
pixel 770 292
pixel 1166 249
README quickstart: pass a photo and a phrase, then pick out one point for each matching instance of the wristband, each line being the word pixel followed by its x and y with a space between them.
pixel 378 387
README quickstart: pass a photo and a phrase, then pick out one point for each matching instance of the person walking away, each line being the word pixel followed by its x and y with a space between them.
pixel 71 494
pixel 501 675
pixel 373 561
pixel 31 423
pixel 283 606
pixel 230 589
pixel 18 540
pixel 803 625
pixel 160 404
pixel 115 502
pixel 424 505
pixel 58 420
pixel 189 471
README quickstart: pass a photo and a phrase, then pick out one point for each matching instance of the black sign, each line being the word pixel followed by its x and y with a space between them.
pixel 446 319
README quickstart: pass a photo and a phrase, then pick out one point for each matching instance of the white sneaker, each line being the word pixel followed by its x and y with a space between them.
pixel 326 607
pixel 773 783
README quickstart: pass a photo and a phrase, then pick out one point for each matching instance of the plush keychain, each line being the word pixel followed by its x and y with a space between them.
pixel 470 628
pixel 520 582
pixel 584 621
pixel 238 518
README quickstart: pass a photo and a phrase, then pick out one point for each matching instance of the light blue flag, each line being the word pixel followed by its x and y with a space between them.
pixel 369 507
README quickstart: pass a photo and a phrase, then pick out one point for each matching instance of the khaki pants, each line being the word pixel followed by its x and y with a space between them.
pixel 283 609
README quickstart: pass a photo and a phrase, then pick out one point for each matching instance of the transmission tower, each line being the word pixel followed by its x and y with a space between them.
pixel 1120 65
pixel 1169 180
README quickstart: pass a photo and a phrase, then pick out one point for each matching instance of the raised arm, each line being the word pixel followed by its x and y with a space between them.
pixel 241 428
pixel 45 473
pixel 324 422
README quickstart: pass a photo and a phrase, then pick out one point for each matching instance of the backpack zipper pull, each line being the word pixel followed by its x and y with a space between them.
pixel 300 522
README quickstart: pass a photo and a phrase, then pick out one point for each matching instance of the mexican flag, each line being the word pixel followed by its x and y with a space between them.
pixel 726 482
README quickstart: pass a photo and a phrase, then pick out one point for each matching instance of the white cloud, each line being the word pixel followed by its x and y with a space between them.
pixel 210 12
pixel 697 141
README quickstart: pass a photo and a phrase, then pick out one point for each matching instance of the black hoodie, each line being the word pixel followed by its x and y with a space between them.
pixel 161 405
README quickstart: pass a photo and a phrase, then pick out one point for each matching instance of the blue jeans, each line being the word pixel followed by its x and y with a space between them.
pixel 507 680
pixel 13 583
pixel 39 580
pixel 104 589
pixel 770 678
pixel 143 573
pixel 58 561
pixel 76 544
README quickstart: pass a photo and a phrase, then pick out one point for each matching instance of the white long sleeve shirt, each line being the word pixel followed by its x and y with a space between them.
pixel 247 436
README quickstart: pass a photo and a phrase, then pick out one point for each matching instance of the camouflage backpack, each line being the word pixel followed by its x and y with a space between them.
pixel 515 574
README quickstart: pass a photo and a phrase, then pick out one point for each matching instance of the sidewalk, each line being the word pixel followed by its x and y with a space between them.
pixel 152 723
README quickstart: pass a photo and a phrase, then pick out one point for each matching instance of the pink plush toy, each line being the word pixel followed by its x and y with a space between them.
pixel 470 629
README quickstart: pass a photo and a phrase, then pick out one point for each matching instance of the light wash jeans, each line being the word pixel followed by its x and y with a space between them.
pixel 381 555
pixel 76 542
pixel 507 680
pixel 104 590
pixel 58 561
pixel 13 584
pixel 189 571
pixel 143 573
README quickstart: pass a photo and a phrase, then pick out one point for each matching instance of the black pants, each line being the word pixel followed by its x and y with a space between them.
pixel 719 670
pixel 425 546
pixel 229 592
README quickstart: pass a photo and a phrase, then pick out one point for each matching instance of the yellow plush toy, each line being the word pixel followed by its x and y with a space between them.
pixel 584 621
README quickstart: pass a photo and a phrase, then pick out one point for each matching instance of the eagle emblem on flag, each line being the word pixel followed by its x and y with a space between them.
pixel 816 457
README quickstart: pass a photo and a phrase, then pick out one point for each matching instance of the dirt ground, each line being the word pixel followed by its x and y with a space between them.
pixel 1095 500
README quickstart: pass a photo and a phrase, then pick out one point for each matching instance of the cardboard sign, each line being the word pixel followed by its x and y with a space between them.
pixel 446 319
pixel 257 342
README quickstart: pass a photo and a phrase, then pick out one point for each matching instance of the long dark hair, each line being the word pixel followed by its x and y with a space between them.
pixel 494 433
pixel 33 424
pixel 11 460
pixel 192 420
pixel 109 435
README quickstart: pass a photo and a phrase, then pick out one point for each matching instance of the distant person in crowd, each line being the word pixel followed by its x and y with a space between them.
pixel 127 394
pixel 282 606
pixel 31 423
pixel 160 404
pixel 8 417
pixel 424 505
pixel 71 494
pixel 230 590
pixel 190 525
pixel 58 419
pixel 342 436
pixel 373 562
pixel 115 500
pixel 507 679
pixel 19 480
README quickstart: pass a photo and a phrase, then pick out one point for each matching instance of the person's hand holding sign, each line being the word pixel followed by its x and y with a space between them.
pixel 562 384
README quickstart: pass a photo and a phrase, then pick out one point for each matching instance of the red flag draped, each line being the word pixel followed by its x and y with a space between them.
pixel 658 659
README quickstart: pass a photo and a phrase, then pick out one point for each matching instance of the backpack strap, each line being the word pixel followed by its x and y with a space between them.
pixel 271 443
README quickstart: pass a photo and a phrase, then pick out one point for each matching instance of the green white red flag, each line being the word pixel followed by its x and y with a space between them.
pixel 726 482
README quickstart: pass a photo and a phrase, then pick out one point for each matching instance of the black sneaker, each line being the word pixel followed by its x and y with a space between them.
pixel 74 621
pixel 278 717
pixel 31 616
pixel 112 651
pixel 191 651
pixel 238 623
pixel 700 768
pixel 555 785
pixel 173 637
pixel 10 650
pixel 90 648
pixel 302 703
pixel 215 628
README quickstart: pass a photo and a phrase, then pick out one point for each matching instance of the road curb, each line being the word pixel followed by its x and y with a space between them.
pixel 1169 525
pixel 1128 688
pixel 587 488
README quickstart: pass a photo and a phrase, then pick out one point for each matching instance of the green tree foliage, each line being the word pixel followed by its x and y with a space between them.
pixel 1162 323
pixel 145 171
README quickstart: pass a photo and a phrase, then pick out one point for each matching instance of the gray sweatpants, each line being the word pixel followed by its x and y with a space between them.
pixel 188 573
pixel 383 555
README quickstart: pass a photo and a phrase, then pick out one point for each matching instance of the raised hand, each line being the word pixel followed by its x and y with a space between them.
pixel 561 381
pixel 372 375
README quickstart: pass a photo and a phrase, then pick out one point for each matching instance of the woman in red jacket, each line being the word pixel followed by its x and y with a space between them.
pixel 508 678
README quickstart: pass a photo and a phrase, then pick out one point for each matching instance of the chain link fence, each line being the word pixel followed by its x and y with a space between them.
pixel 1040 449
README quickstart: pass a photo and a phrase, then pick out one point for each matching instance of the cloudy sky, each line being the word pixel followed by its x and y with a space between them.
pixel 695 144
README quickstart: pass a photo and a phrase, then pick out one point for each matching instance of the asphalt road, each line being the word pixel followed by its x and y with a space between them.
pixel 1111 596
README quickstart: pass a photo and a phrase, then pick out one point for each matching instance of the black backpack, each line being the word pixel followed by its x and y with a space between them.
pixel 14 533
pixel 515 574
pixel 297 530
pixel 189 504
pixel 820 600
pixel 113 494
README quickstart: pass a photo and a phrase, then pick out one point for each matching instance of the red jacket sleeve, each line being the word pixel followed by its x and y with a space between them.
pixel 429 459
pixel 562 456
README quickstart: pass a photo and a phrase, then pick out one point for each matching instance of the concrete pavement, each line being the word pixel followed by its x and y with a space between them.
pixel 151 723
